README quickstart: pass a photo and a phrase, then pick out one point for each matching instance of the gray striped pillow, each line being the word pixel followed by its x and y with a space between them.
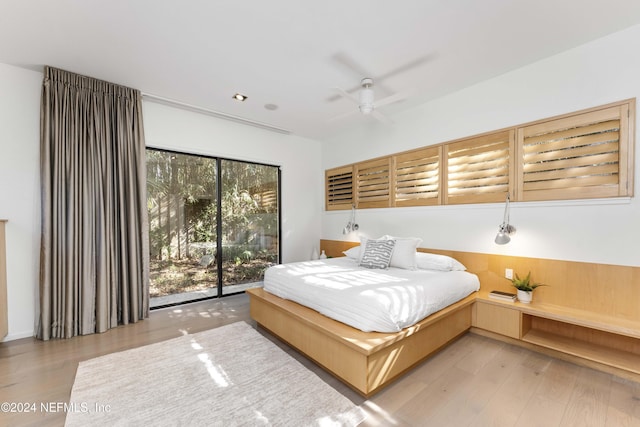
pixel 377 254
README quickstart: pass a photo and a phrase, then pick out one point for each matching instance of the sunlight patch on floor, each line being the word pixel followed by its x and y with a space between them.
pixel 216 374
pixel 376 413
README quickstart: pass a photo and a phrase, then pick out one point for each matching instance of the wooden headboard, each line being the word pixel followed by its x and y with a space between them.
pixel 602 289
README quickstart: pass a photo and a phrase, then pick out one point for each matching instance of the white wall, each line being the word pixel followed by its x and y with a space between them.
pixel 20 192
pixel 165 127
pixel 597 73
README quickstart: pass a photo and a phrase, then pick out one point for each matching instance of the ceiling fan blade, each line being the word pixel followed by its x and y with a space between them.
pixel 333 97
pixel 347 95
pixel 393 98
pixel 342 116
pixel 381 117
pixel 350 63
pixel 408 66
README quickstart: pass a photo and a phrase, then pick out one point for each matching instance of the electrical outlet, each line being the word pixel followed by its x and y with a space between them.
pixel 508 273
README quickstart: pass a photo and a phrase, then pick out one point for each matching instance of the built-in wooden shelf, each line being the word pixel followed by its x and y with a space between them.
pixel 573 316
pixel 606 340
pixel 584 318
pixel 605 355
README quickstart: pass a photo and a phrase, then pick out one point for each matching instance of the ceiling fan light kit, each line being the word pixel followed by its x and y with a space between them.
pixel 366 96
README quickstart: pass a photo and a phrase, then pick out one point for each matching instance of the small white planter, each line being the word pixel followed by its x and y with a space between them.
pixel 524 296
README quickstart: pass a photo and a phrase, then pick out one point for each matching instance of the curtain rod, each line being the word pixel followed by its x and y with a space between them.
pixel 173 103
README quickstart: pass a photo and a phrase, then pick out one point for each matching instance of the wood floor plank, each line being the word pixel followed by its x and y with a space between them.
pixel 426 404
pixel 589 400
pixel 508 402
pixel 624 404
pixel 501 365
pixel 547 404
pixel 481 351
pixel 478 388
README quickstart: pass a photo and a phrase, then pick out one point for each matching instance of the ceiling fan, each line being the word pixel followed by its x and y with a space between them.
pixel 366 102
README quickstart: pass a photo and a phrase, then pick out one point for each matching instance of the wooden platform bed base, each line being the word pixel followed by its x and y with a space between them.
pixel 366 361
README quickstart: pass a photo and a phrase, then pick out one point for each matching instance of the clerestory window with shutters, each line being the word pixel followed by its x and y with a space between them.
pixel 416 177
pixel 479 169
pixel 339 188
pixel 373 183
pixel 575 157
pixel 581 155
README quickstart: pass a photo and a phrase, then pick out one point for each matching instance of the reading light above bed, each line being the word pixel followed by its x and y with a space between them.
pixel 505 230
pixel 351 225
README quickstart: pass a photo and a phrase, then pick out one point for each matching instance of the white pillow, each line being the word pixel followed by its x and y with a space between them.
pixel 353 253
pixel 404 253
pixel 427 261
pixel 377 254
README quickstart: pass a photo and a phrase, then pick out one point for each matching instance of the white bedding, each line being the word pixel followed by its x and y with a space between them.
pixel 368 299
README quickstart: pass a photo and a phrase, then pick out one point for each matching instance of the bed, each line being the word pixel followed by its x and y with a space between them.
pixel 372 300
pixel 368 350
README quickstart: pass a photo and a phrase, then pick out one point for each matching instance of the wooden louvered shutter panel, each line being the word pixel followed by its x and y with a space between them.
pixel 417 177
pixel 373 183
pixel 268 198
pixel 339 188
pixel 581 156
pixel 478 169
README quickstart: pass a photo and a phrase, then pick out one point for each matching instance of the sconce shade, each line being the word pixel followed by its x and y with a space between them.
pixel 504 233
pixel 502 238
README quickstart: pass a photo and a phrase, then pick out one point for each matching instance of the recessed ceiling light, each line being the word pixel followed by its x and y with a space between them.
pixel 271 107
pixel 240 97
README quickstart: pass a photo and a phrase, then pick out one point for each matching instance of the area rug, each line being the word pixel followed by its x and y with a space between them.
pixel 228 376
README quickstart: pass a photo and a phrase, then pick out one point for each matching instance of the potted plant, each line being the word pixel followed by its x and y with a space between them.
pixel 525 287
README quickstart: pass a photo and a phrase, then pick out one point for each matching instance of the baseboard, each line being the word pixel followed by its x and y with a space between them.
pixel 17 336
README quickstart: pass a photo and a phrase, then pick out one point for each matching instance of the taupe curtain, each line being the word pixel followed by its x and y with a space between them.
pixel 94 257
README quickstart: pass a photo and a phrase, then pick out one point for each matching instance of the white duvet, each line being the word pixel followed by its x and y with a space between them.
pixel 368 299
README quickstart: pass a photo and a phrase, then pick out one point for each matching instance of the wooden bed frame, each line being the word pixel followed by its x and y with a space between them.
pixel 366 361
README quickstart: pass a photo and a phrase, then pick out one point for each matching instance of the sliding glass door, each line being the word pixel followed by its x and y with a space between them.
pixel 213 225
pixel 249 222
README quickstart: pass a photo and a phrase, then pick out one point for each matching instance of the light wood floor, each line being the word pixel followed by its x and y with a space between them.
pixel 475 381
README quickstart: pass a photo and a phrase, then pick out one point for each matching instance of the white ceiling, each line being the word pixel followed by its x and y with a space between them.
pixel 290 53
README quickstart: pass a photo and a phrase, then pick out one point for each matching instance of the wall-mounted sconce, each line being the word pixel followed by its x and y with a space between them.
pixel 351 225
pixel 505 230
